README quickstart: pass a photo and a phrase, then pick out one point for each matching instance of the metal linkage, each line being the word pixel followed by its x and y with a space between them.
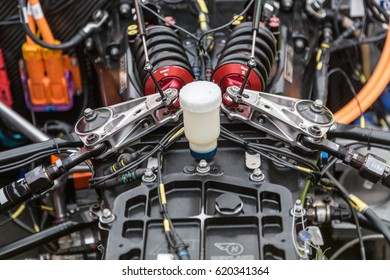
pixel 286 118
pixel 121 124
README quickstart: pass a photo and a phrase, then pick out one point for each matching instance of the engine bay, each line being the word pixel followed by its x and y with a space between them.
pixel 194 129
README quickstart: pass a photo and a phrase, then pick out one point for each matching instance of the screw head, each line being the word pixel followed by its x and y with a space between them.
pixel 89 114
pixel 97 15
pixel 257 175
pixel 149 176
pixel 107 216
pixel 203 166
pixel 114 52
pixel 125 9
pixel 92 138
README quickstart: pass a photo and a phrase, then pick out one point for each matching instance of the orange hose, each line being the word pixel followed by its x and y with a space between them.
pixel 31 25
pixel 43 26
pixel 372 89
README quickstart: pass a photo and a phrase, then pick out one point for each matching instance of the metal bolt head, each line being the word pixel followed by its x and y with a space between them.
pixel 107 216
pixel 149 176
pixel 114 52
pixel 125 9
pixel 89 114
pixel 315 130
pixel 97 15
pixel 148 172
pixel 203 166
pixel 257 175
pixel 92 138
pixel 106 213
pixel 202 163
pixel 89 44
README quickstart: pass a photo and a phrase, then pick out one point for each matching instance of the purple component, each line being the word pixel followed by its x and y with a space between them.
pixel 49 108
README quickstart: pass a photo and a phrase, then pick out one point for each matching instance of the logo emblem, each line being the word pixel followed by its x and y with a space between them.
pixel 232 249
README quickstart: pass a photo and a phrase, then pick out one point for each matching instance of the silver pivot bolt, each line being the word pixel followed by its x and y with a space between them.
pixel 107 216
pixel 149 176
pixel 257 175
pixel 203 166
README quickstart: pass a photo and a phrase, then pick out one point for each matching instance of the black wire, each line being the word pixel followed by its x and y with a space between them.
pixel 354 43
pixel 162 144
pixel 33 158
pixel 270 149
pixel 377 223
pixel 345 195
pixel 375 7
pixel 353 91
pixel 167 22
pixel 9 22
pixel 226 24
pixel 73 42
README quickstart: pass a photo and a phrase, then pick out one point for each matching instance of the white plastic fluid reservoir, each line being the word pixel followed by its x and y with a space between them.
pixel 200 102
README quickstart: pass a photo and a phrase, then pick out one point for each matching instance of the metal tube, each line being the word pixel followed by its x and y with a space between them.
pixel 23 126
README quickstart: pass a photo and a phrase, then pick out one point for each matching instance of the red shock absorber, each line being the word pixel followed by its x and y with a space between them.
pixel 167 55
pixel 232 64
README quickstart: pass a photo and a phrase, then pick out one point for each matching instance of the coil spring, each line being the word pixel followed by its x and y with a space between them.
pixel 232 64
pixel 166 53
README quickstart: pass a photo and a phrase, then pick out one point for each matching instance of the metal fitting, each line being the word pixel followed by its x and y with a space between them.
pixel 257 175
pixel 203 166
pixel 107 216
pixel 89 114
pixel 149 176
pixel 298 211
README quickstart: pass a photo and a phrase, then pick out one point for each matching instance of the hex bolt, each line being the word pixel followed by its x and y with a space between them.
pixel 298 211
pixel 89 44
pixel 92 138
pixel 125 9
pixel 317 106
pixel 315 130
pixel 149 176
pixel 89 114
pixel 107 216
pixel 203 166
pixel 97 15
pixel 257 175
pixel 114 52
pixel 287 5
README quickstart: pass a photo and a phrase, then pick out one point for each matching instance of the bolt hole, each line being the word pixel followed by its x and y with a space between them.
pixel 120 245
pixel 267 107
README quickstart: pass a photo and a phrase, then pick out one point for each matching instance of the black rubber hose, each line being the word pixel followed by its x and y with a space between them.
pixel 43 237
pixel 10 156
pixel 377 223
pixel 73 42
pixel 352 132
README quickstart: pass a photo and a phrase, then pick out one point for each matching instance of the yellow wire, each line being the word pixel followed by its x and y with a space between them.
pixel 362 121
pixel 18 212
pixel 162 193
pixel 203 6
pixel 179 132
pixel 166 225
pixel 304 169
pixel 36 228
pixel 47 208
